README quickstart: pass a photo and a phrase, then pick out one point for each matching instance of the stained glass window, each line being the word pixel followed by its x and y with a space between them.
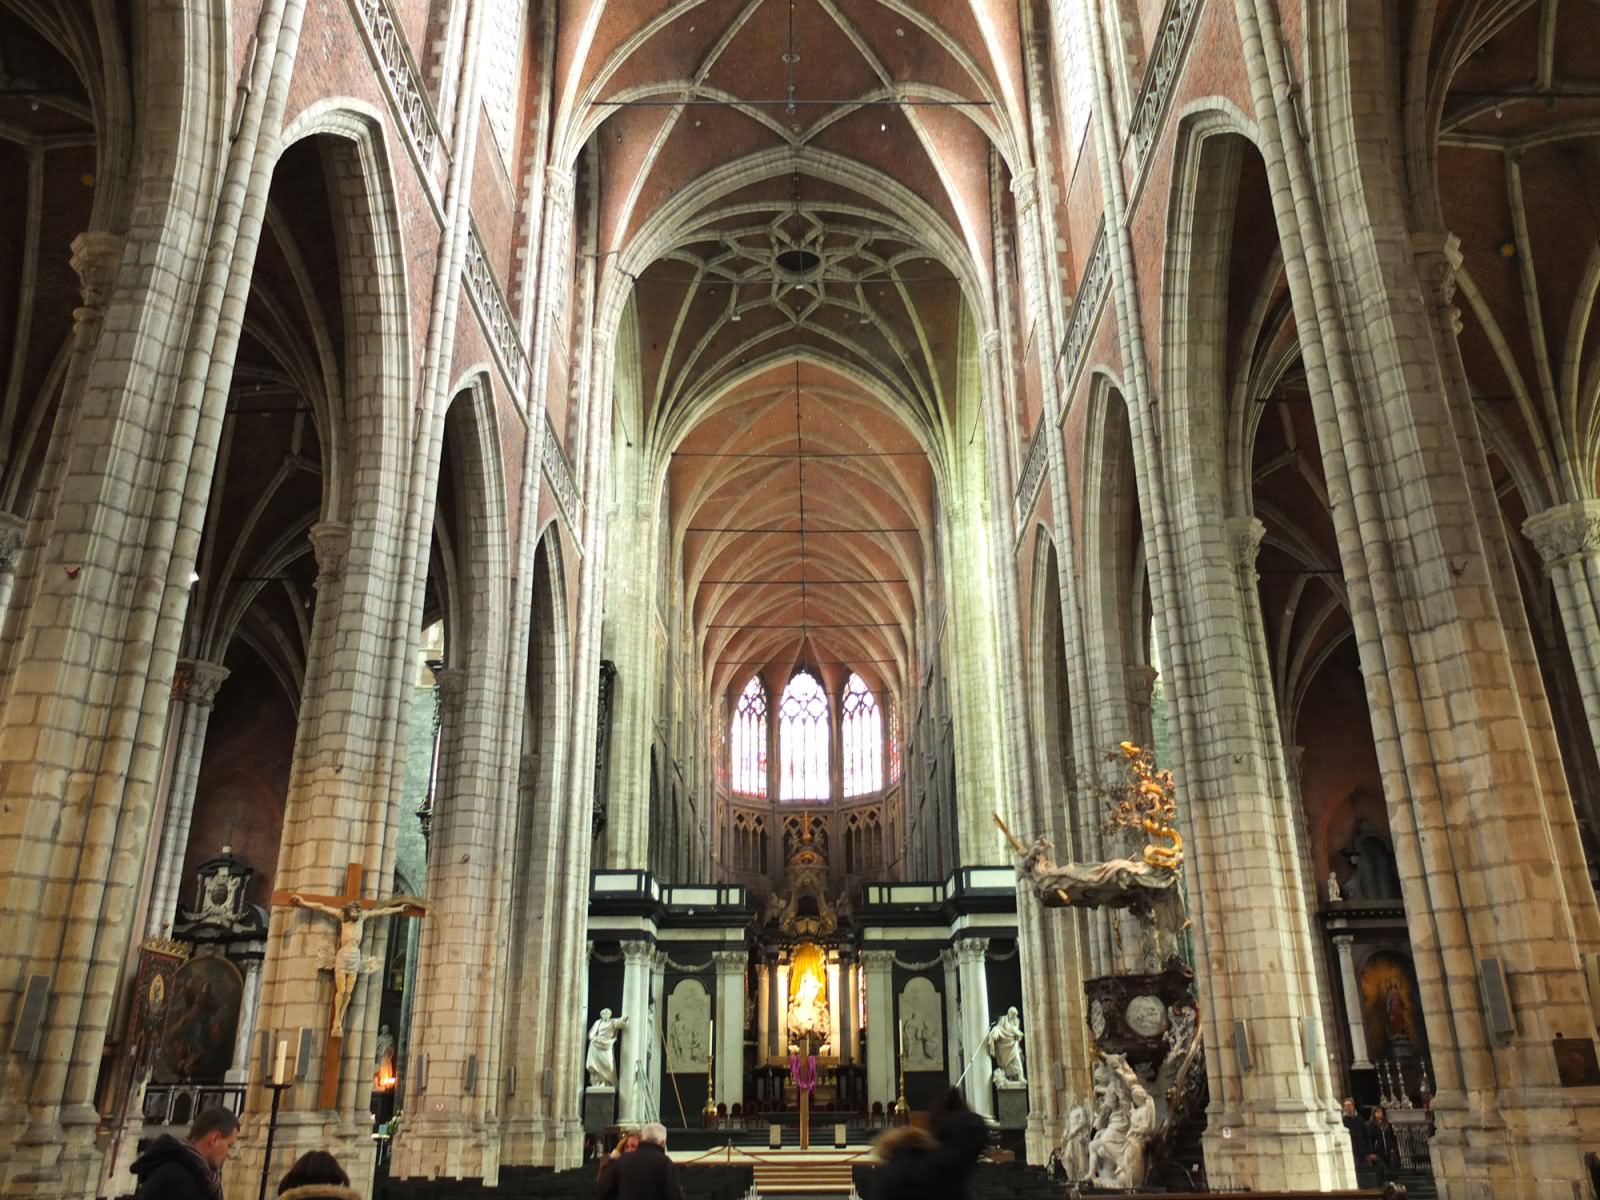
pixel 803 740
pixel 863 739
pixel 748 741
pixel 894 744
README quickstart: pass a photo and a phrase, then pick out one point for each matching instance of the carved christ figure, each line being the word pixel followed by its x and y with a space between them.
pixel 346 960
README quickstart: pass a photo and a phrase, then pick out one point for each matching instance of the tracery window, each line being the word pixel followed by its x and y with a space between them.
pixel 862 740
pixel 894 744
pixel 803 740
pixel 748 740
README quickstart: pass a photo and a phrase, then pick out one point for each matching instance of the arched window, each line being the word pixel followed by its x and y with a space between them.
pixel 863 740
pixel 803 740
pixel 894 744
pixel 748 741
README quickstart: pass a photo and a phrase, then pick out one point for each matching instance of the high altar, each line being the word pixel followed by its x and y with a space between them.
pixel 729 995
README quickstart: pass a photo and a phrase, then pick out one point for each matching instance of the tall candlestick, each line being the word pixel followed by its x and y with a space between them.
pixel 277 1067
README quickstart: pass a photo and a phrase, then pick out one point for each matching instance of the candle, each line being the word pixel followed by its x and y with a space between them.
pixel 901 1030
pixel 711 1038
pixel 277 1067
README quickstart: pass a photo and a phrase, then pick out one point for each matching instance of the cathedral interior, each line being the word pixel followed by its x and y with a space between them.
pixel 574 563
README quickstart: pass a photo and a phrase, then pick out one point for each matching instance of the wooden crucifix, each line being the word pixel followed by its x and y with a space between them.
pixel 345 960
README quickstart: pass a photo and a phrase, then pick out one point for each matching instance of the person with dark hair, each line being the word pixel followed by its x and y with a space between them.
pixel 191 1168
pixel 1360 1143
pixel 316 1175
pixel 1385 1145
pixel 905 1164
pixel 962 1137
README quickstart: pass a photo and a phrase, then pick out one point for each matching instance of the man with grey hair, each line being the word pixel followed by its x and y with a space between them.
pixel 645 1173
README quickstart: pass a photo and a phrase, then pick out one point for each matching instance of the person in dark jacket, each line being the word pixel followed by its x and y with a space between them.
pixel 1360 1144
pixel 1385 1145
pixel 962 1137
pixel 191 1168
pixel 645 1173
pixel 316 1175
pixel 905 1164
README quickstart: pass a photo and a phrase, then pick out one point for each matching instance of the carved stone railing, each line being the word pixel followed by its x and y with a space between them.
pixel 1166 63
pixel 498 324
pixel 1032 477
pixel 1075 345
pixel 559 472
pixel 388 44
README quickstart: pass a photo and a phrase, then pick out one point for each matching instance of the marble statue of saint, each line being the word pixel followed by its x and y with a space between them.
pixel 1334 894
pixel 599 1063
pixel 1111 1134
pixel 1004 1044
pixel 346 960
pixel 1141 1131
pixel 1075 1143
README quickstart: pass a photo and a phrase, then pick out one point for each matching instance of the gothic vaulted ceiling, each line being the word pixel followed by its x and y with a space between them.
pixel 799 197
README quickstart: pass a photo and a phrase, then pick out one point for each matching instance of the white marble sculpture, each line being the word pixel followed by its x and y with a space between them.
pixel 1004 1044
pixel 600 1062
pixel 1075 1142
pixel 1127 1121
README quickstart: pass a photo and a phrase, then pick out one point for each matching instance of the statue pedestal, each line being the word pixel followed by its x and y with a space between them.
pixel 1011 1105
pixel 599 1109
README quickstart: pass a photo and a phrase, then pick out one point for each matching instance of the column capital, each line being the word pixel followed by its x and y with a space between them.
pixel 971 950
pixel 876 961
pixel 1142 685
pixel 1025 187
pixel 96 255
pixel 452 684
pixel 638 953
pixel 730 962
pixel 1245 534
pixel 989 343
pixel 1344 941
pixel 13 529
pixel 1438 258
pixel 195 681
pixel 1565 532
pixel 558 186
pixel 330 543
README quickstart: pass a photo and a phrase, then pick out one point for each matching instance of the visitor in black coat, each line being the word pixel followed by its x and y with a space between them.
pixel 643 1174
pixel 963 1136
pixel 191 1168
pixel 1385 1145
pixel 1360 1143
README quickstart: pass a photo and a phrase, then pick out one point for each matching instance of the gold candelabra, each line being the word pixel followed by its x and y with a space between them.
pixel 709 1112
pixel 902 1110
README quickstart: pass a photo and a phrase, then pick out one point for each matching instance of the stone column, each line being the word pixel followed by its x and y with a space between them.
pixel 239 1071
pixel 881 1078
pixel 1344 945
pixel 847 1011
pixel 638 968
pixel 765 1018
pixel 12 530
pixel 194 691
pixel 730 965
pixel 955 1055
pixel 973 977
pixel 835 1017
pixel 1568 540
